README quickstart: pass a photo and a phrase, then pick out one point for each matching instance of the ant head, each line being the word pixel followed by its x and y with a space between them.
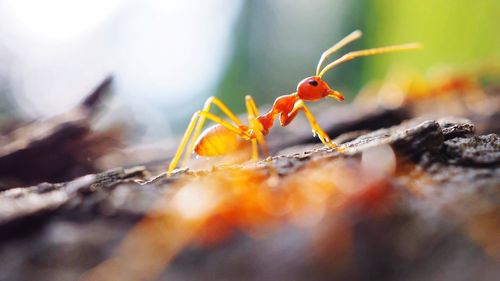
pixel 314 88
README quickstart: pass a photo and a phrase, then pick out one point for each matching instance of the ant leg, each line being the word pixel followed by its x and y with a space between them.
pixel 256 126
pixel 201 122
pixel 184 140
pixel 196 116
pixel 251 107
pixel 323 136
pixel 253 112
pixel 255 150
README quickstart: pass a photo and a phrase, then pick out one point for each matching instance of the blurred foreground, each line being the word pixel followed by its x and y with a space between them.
pixel 414 196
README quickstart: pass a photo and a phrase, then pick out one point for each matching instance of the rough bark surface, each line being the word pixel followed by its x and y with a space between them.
pixel 444 224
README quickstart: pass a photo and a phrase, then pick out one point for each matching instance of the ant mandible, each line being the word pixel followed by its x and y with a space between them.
pixel 227 137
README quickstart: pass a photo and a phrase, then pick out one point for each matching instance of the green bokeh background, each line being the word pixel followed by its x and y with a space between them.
pixel 276 44
pixel 456 33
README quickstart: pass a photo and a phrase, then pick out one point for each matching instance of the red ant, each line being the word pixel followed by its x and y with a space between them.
pixel 226 137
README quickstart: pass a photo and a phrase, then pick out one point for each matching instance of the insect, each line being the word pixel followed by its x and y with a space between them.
pixel 229 136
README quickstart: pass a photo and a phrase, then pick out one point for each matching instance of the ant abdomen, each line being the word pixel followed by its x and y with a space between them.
pixel 217 140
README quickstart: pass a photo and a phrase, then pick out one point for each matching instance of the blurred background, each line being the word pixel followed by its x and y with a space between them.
pixel 415 202
pixel 167 57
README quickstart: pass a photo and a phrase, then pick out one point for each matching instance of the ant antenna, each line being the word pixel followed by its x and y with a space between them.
pixel 369 52
pixel 346 40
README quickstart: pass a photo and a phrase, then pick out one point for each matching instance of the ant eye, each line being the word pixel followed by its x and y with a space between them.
pixel 313 83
